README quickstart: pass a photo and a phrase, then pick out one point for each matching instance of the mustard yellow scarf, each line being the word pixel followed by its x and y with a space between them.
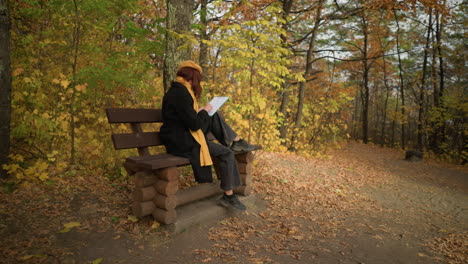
pixel 205 158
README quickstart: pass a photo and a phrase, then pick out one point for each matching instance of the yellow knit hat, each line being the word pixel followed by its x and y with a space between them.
pixel 190 64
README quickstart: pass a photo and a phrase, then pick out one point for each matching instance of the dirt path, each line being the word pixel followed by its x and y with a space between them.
pixel 422 207
pixel 362 204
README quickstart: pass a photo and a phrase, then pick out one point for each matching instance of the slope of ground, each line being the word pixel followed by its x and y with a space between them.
pixel 361 204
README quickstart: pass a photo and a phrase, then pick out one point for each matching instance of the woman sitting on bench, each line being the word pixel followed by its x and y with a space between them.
pixel 184 131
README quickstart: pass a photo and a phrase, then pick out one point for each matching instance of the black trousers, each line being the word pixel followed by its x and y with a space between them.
pixel 229 173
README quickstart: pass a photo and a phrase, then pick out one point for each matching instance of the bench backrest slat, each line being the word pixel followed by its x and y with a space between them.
pixel 138 140
pixel 133 115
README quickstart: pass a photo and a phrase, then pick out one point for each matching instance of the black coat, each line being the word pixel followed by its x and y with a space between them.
pixel 179 117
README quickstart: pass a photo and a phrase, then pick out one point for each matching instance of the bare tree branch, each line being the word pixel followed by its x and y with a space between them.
pixel 360 59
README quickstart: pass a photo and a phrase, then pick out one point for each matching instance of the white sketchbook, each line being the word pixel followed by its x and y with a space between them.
pixel 217 102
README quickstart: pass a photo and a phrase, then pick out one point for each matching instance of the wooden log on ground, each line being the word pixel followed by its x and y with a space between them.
pixel 200 191
pixel 246 179
pixel 143 194
pixel 165 216
pixel 247 157
pixel 144 179
pixel 245 168
pixel 168 174
pixel 165 202
pixel 143 209
pixel 166 188
pixel 243 190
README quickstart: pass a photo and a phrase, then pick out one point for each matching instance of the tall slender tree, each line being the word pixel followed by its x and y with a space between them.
pixel 422 87
pixel 365 93
pixel 5 85
pixel 438 135
pixel 203 34
pixel 402 86
pixel 75 49
pixel 286 6
pixel 178 21
pixel 387 95
pixel 307 71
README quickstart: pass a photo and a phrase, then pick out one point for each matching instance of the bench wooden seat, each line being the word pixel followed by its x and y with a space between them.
pixel 156 176
pixel 154 162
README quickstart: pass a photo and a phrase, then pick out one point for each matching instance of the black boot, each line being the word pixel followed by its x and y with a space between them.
pixel 232 202
pixel 241 145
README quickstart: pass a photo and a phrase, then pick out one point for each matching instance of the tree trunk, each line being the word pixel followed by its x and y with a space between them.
pixel 439 133
pixel 436 99
pixel 284 112
pixel 440 28
pixel 75 46
pixel 356 117
pixel 5 86
pixel 365 103
pixel 393 121
pixel 439 31
pixel 433 138
pixel 252 63
pixel 423 84
pixel 203 60
pixel 178 21
pixel 387 89
pixel 402 90
pixel 287 4
pixel 307 72
pixel 214 65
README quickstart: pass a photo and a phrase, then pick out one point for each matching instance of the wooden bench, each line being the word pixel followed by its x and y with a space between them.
pixel 156 176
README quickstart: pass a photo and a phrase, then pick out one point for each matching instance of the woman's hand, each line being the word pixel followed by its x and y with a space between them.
pixel 207 108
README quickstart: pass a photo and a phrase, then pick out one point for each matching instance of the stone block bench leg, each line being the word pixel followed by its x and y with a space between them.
pixel 143 193
pixel 156 192
pixel 165 199
pixel 245 164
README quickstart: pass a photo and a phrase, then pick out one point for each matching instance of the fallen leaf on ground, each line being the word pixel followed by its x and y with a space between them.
pixel 68 226
pixel 27 257
pixel 378 237
pixel 132 218
pixel 72 224
pixel 155 225
pixel 97 261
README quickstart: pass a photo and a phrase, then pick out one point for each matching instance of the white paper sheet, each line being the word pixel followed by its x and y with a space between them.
pixel 217 102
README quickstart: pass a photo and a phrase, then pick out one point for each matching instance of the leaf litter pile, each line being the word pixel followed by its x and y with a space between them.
pixel 359 203
pixel 48 223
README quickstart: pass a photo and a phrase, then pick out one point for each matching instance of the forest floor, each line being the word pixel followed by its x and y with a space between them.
pixel 359 204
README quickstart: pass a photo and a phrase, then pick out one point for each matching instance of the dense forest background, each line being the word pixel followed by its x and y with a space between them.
pixel 302 75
